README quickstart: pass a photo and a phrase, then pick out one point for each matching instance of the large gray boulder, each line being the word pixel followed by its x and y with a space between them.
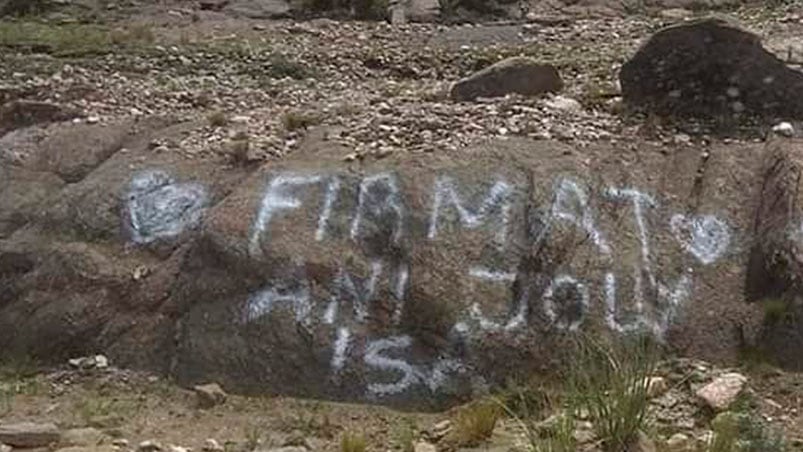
pixel 710 68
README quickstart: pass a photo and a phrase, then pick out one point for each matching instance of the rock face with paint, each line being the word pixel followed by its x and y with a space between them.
pixel 416 281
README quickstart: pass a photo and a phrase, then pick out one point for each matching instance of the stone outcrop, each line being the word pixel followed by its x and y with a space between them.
pixel 710 68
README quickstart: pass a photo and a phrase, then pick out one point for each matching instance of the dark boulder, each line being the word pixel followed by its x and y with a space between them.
pixel 710 68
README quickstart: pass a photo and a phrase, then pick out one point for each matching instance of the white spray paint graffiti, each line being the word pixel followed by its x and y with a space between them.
pixel 340 349
pixel 567 192
pixel 278 196
pixel 376 206
pixel 374 358
pixel 323 220
pixel 498 198
pixel 517 320
pixel 380 206
pixel 705 237
pixel 263 302
pixel 582 302
pixel 491 275
pixel 410 375
pixel 640 201
pixel 158 208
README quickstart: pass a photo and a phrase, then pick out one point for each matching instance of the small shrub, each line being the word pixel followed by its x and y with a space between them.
pixel 611 382
pixel 475 423
pixel 296 120
pixel 353 442
pixel 280 66
pixel 218 119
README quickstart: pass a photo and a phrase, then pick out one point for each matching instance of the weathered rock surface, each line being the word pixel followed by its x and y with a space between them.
pixel 720 394
pixel 22 113
pixel 710 68
pixel 517 75
pixel 28 434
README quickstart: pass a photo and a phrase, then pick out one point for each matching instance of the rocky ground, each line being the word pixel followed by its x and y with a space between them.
pixel 89 408
pixel 250 92
pixel 378 89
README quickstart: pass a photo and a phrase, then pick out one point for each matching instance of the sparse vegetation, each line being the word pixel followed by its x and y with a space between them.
pixel 70 40
pixel 253 435
pixel 610 382
pixel 353 442
pixel 404 436
pixel 474 423
pixel 743 432
pixel 280 66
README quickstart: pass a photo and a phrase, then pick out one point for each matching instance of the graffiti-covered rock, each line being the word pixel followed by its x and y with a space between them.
pixel 415 280
pixel 517 75
pixel 710 68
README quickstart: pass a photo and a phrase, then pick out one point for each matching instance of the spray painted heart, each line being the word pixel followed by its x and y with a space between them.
pixel 160 208
pixel 704 236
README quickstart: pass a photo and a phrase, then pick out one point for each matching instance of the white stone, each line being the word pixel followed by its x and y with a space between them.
pixel 723 391
pixel 211 445
pixel 656 387
pixel 101 362
pixel 563 103
pixel 784 129
pixel 423 446
pixel 149 446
